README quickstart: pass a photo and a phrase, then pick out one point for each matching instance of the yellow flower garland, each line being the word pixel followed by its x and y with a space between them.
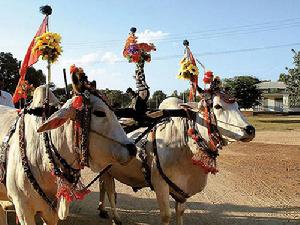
pixel 187 69
pixel 48 44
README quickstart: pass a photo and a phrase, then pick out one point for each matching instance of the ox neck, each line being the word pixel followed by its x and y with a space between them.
pixel 63 140
pixel 202 128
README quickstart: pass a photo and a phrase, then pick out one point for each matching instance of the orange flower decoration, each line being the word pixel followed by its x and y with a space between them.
pixel 73 69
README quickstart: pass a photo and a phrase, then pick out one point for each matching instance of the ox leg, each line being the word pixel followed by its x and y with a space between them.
pixel 49 218
pixel 162 195
pixel 3 219
pixel 101 207
pixel 25 214
pixel 111 193
pixel 179 207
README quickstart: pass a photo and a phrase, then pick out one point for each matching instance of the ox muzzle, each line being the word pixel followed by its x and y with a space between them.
pixel 250 133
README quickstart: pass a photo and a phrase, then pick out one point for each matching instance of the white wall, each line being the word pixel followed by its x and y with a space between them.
pixel 286 103
pixel 271 104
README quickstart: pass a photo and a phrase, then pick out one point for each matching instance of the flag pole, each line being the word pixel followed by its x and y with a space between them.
pixel 48 80
pixel 47 10
pixel 48 69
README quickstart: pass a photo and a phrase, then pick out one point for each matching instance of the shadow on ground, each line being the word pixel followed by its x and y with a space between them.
pixel 135 210
pixel 279 121
pixel 145 211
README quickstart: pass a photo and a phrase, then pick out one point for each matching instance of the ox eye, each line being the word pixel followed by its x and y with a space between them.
pixel 99 113
pixel 218 107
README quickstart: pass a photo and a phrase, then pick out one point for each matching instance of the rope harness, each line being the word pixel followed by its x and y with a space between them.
pixel 207 150
pixel 82 128
pixel 4 150
pixel 176 192
pixel 26 166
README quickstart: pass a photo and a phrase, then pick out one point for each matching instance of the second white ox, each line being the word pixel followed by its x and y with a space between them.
pixel 175 153
pixel 107 143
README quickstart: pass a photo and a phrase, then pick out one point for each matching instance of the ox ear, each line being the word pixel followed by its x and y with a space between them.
pixel 60 117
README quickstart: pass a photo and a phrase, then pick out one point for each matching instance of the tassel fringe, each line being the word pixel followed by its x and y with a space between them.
pixel 71 192
pixel 207 163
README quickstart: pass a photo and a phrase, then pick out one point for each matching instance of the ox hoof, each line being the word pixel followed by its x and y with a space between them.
pixel 103 214
pixel 117 222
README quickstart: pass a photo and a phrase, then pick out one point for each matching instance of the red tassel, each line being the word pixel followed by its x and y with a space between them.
pixel 81 194
pixel 208 77
pixel 203 160
pixel 196 138
pixel 73 69
pixel 65 193
pixel 191 131
pixel 71 195
pixel 77 102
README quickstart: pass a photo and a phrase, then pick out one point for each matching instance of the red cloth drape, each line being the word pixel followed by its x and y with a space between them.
pixel 28 61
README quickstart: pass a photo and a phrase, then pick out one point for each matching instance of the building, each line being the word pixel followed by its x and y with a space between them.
pixel 274 97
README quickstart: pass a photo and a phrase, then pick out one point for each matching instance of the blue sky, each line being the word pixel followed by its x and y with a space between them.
pixel 230 37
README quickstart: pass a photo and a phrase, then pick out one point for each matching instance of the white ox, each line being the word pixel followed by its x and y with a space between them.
pixel 175 154
pixel 103 150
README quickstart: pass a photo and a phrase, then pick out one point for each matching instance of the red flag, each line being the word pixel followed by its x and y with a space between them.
pixel 194 80
pixel 28 61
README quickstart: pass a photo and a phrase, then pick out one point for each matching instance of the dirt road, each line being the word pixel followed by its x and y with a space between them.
pixel 285 137
pixel 258 184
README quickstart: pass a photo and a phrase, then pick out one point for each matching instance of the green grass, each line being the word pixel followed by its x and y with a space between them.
pixel 275 123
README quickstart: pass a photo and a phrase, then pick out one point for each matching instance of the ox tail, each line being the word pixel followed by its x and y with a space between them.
pixel 63 208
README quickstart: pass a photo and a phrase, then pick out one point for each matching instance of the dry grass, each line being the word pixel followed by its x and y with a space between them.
pixel 275 123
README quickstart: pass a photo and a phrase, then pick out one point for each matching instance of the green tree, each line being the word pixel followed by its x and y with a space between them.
pixel 116 98
pixel 175 94
pixel 35 77
pixel 283 77
pixel 156 99
pixel 9 71
pixel 292 80
pixel 244 89
pixel 60 93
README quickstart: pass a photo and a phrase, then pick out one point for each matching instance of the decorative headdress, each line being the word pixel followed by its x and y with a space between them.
pixel 79 79
pixel 189 70
pixel 136 52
